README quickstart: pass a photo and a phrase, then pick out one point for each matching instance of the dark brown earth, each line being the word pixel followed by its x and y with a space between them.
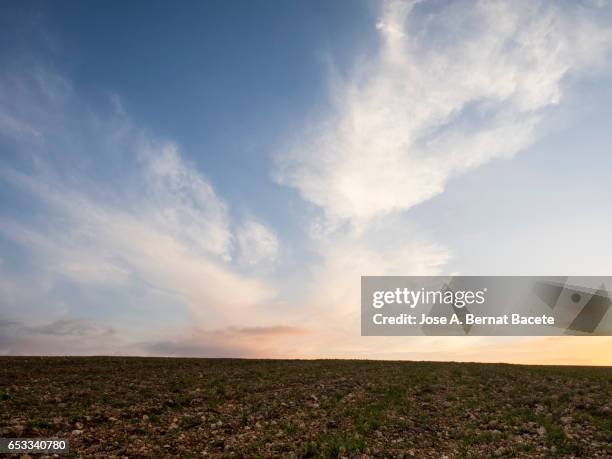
pixel 153 407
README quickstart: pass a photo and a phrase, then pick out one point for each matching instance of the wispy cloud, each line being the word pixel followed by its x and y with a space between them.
pixel 452 86
pixel 257 244
pixel 184 202
pixel 129 210
pixel 66 336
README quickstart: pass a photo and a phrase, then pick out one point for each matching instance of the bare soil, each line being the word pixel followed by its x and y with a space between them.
pixel 167 407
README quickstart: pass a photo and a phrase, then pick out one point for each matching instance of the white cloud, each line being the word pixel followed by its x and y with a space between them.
pixel 346 257
pixel 257 244
pixel 184 202
pixel 151 217
pixel 451 87
pixel 104 244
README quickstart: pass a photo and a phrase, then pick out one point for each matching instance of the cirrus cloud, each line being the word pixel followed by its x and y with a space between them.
pixel 452 86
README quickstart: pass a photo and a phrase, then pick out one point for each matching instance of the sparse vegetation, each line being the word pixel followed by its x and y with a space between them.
pixel 325 408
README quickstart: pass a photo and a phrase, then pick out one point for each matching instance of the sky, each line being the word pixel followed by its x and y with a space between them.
pixel 212 178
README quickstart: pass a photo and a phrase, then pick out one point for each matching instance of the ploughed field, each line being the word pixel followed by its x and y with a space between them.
pixel 157 407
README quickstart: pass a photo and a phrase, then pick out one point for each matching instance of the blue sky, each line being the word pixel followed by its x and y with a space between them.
pixel 212 178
